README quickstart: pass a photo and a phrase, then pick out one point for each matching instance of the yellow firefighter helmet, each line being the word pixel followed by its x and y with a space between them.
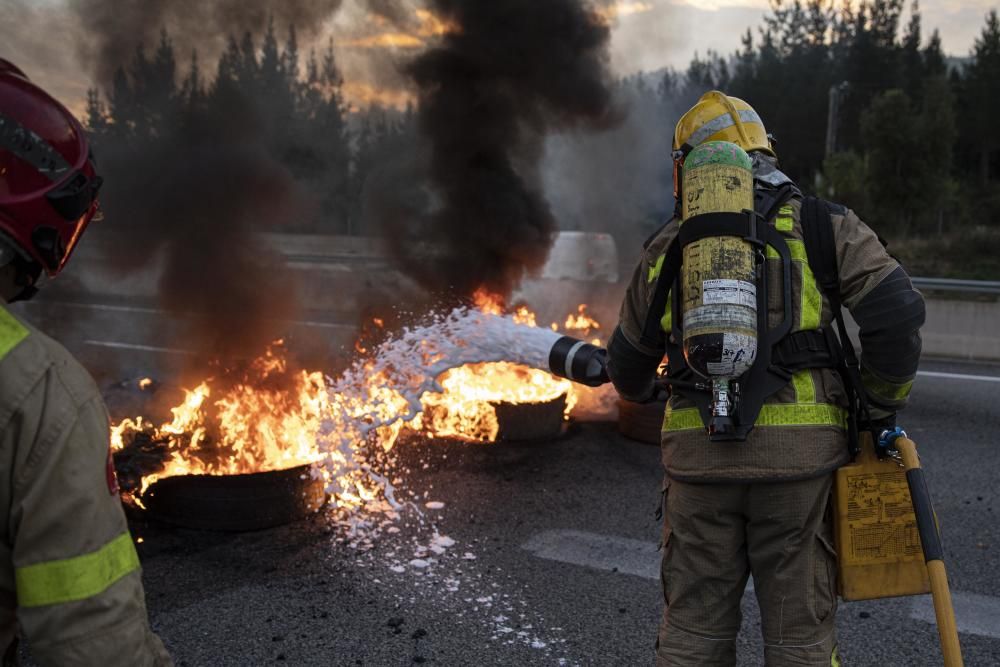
pixel 718 117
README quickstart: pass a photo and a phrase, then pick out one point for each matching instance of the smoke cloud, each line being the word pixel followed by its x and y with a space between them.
pixel 193 201
pixel 193 195
pixel 111 30
pixel 504 76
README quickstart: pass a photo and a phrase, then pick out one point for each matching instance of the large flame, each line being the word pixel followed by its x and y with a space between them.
pixel 273 418
pixel 269 419
pixel 466 408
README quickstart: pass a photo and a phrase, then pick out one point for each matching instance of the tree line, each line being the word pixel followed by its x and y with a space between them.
pixel 865 109
pixel 294 103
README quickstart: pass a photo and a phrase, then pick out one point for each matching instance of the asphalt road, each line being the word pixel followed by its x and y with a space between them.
pixel 503 593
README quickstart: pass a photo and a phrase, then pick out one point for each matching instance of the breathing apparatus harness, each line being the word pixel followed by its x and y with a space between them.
pixel 780 353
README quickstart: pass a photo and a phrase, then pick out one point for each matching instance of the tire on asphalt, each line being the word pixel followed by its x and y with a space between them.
pixel 236 502
pixel 524 422
pixel 641 421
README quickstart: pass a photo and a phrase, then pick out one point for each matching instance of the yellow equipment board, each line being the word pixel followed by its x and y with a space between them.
pixel 878 545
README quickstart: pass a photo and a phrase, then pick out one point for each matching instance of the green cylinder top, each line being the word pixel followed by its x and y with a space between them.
pixel 718 152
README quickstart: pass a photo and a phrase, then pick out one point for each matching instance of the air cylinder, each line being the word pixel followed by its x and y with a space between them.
pixel 718 275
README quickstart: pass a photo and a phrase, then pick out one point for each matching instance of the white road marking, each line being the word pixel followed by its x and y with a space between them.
pixel 132 346
pixel 153 311
pixel 959 376
pixel 975 614
pixel 601 552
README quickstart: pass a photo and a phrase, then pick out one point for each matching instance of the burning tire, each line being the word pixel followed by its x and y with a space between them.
pixel 235 502
pixel 521 422
pixel 641 421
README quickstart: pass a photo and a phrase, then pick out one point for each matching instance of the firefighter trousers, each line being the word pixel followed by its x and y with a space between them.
pixel 715 537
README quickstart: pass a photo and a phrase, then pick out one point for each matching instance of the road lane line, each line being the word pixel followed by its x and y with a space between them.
pixel 975 614
pixel 959 376
pixel 601 552
pixel 132 346
pixel 153 311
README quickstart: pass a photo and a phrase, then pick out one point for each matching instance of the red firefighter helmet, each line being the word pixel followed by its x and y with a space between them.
pixel 48 184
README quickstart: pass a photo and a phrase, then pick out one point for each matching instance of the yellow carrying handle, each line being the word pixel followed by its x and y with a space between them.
pixel 930 540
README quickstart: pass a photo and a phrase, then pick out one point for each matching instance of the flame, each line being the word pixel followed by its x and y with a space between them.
pixel 465 409
pixel 487 302
pixel 581 321
pixel 271 417
pixel 524 315
pixel 269 420
pixel 145 383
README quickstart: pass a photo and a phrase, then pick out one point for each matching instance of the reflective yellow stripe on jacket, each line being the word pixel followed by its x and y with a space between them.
pixel 78 578
pixel 805 411
pixel 772 414
pixel 884 391
pixel 12 332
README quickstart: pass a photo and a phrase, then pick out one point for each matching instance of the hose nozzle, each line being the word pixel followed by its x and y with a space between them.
pixel 579 361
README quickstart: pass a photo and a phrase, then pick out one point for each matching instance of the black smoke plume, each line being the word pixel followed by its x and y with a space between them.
pixel 193 200
pixel 507 74
pixel 191 192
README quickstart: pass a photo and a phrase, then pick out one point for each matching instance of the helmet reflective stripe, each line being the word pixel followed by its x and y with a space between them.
pixel 31 148
pixel 720 123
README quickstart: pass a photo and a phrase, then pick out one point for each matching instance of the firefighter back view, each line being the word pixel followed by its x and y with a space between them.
pixel 69 573
pixel 749 453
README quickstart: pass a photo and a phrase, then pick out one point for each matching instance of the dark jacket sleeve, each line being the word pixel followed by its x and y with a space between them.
pixel 632 372
pixel 888 310
pixel 632 365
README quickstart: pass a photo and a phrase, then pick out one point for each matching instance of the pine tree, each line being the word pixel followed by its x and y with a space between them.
pixel 97 114
pixel 934 62
pixel 192 89
pixel 983 86
pixel 912 61
pixel 891 136
pixel 247 67
pixel 290 57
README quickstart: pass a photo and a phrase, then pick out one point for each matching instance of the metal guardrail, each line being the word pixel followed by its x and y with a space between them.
pixel 957 285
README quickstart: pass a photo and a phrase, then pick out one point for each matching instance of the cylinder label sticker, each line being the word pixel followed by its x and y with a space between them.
pixel 738 292
pixel 722 368
pixel 738 354
pixel 721 319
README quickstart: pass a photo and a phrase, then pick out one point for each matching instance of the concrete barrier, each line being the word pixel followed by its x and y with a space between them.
pixel 961 329
pixel 115 325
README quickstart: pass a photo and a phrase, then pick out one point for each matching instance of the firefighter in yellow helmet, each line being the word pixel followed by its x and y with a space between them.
pixel 69 574
pixel 761 506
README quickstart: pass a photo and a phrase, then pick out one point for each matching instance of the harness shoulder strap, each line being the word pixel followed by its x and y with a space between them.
pixel 652 335
pixel 817 232
pixel 821 251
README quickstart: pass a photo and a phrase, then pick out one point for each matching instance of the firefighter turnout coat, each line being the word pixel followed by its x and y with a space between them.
pixel 801 430
pixel 69 572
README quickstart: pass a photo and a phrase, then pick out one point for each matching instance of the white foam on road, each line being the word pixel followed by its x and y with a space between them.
pixel 958 376
pixel 975 614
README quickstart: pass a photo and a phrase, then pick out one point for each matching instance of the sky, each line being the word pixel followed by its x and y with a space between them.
pixel 647 35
